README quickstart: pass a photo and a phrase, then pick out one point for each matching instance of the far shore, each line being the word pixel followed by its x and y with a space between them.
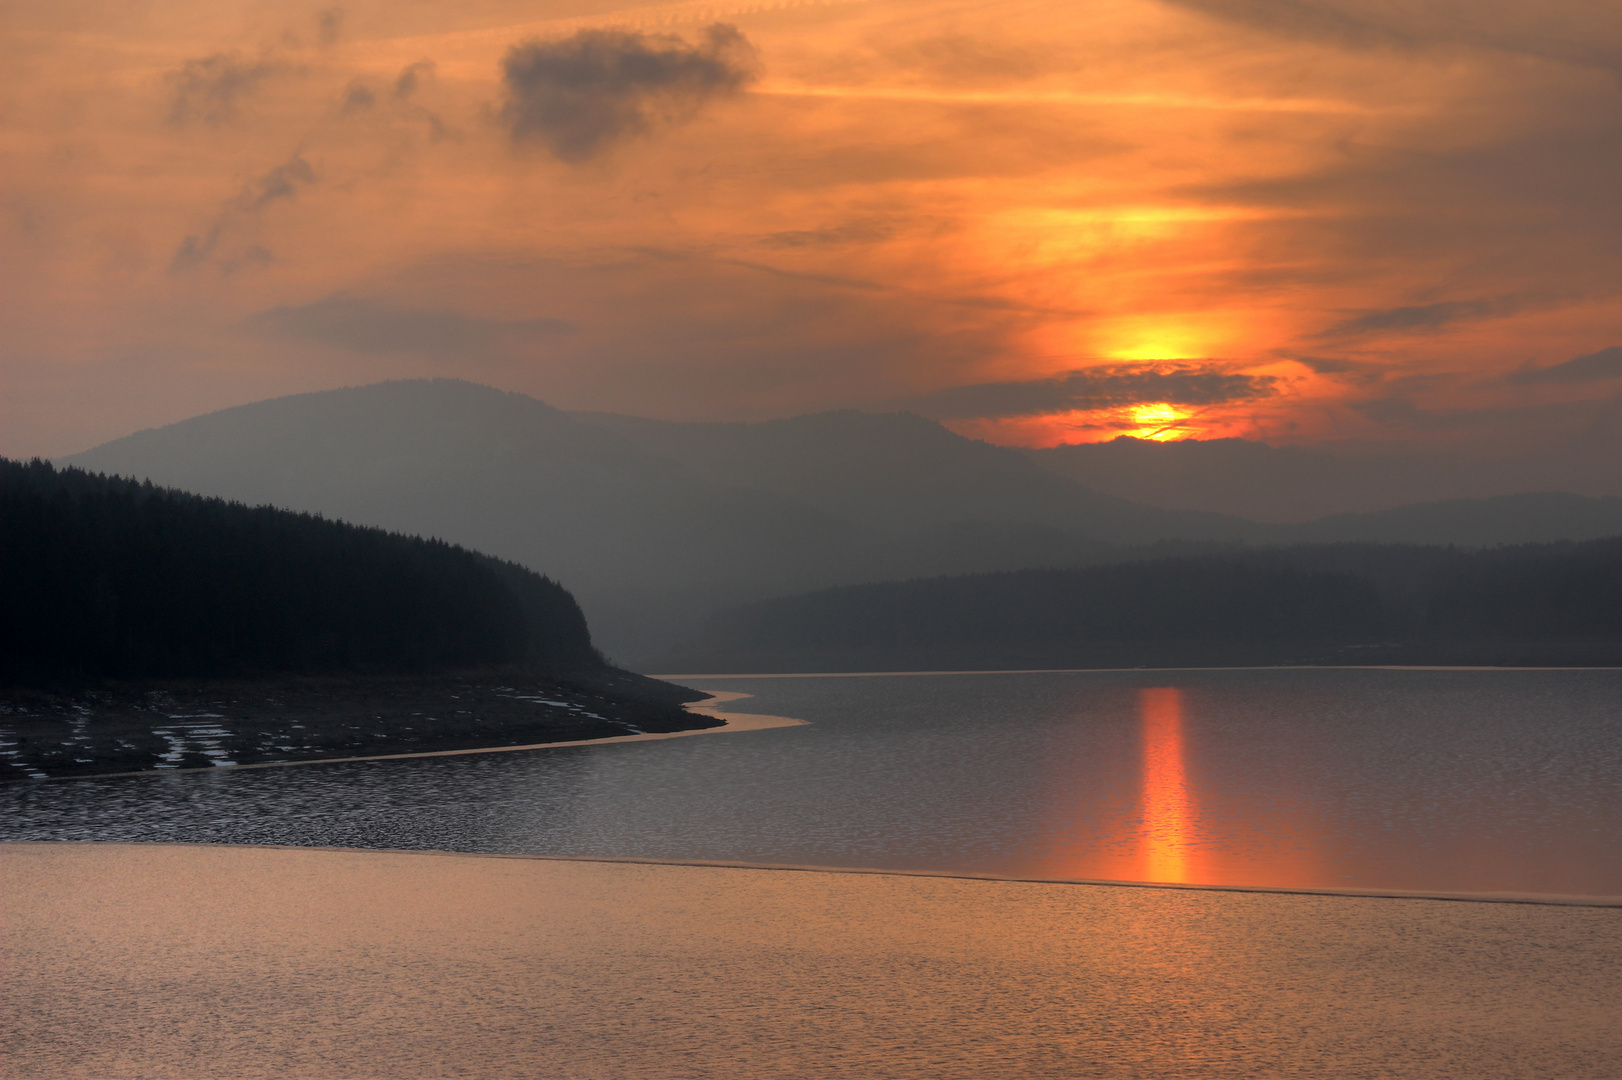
pixel 1128 670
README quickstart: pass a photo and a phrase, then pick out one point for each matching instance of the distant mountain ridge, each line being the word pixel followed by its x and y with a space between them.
pixel 1528 518
pixel 1350 604
pixel 1297 484
pixel 651 524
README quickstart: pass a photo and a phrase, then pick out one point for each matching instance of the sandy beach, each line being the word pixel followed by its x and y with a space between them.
pixel 223 962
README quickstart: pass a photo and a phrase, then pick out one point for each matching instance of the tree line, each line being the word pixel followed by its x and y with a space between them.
pixel 102 577
pixel 1263 604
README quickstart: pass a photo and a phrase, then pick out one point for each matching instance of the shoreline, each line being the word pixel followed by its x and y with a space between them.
pixel 730 723
pixel 1529 899
pixel 1129 670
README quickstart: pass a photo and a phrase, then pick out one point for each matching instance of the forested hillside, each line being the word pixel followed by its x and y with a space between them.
pixel 1340 603
pixel 103 577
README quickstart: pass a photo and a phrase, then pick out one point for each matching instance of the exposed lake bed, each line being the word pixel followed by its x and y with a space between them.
pixel 225 962
pixel 113 728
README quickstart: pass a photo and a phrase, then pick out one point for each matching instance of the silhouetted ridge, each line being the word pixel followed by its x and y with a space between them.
pixel 105 577
pixel 1339 603
pixel 1177 600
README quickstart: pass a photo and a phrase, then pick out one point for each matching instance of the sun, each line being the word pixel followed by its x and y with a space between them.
pixel 1158 421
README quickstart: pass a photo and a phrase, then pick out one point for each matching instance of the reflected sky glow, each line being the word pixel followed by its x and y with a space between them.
pixel 1167 817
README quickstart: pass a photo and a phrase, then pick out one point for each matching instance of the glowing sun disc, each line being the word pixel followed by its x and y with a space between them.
pixel 1157 421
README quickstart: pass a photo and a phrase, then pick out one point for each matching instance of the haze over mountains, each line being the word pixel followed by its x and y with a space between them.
pixel 653 524
pixel 1295 483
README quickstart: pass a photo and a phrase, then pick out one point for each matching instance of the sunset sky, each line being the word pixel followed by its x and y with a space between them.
pixel 1305 221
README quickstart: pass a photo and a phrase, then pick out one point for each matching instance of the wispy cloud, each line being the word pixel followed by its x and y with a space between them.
pixel 1095 388
pixel 1587 34
pixel 275 185
pixel 1427 317
pixel 1595 367
pixel 211 89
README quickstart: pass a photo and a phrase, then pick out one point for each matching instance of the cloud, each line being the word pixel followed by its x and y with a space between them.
pixel 411 77
pixel 854 232
pixel 211 88
pixel 1579 33
pixel 1605 364
pixel 972 60
pixel 329 25
pixel 1329 365
pixel 579 96
pixel 281 182
pixel 1427 317
pixel 366 326
pixel 357 98
pixel 1094 388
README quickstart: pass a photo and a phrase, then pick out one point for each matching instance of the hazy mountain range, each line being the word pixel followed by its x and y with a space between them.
pixel 1517 605
pixel 1297 484
pixel 653 524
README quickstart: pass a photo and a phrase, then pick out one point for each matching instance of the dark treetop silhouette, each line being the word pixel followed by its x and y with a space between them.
pixel 109 579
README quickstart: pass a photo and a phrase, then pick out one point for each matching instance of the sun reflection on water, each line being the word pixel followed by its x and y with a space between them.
pixel 1167 812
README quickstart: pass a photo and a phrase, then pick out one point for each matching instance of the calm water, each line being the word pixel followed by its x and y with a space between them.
pixel 1431 780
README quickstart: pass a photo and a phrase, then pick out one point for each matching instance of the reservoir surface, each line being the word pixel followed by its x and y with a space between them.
pixel 1427 780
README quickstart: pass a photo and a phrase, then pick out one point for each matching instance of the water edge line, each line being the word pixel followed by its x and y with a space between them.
pixel 1532 899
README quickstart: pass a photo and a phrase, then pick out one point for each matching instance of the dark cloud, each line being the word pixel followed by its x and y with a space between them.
pixel 329 25
pixel 1329 365
pixel 1352 372
pixel 1303 19
pixel 358 98
pixel 281 182
pixel 579 96
pixel 411 77
pixel 1094 388
pixel 367 326
pixel 1605 364
pixel 194 251
pixel 1427 316
pixel 212 88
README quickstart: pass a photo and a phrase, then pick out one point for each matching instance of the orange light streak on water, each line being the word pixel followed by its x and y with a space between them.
pixel 1166 810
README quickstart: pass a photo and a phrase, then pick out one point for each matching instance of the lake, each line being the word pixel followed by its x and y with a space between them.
pixel 1427 780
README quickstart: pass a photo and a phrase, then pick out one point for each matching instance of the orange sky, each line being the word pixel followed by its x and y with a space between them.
pixel 1039 221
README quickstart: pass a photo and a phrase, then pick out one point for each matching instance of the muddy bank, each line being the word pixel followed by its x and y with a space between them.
pixel 192 961
pixel 178 724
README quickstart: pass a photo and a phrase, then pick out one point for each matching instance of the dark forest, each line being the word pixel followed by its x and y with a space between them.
pixel 109 578
pixel 1555 603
